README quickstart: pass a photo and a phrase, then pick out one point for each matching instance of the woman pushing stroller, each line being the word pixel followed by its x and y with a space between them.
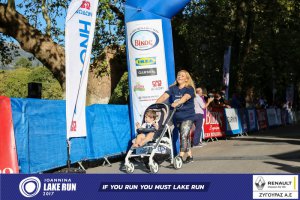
pixel 181 95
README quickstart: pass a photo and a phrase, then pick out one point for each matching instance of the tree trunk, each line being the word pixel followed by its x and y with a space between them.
pixel 235 74
pixel 247 44
pixel 102 83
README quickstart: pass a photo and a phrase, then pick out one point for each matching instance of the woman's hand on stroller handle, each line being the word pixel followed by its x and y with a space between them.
pixel 176 104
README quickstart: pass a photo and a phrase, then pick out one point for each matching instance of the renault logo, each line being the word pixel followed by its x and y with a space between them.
pixel 260 183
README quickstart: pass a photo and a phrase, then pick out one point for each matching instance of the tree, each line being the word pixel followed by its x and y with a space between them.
pixel 201 34
pixel 264 36
pixel 7 51
pixel 14 82
pixel 23 62
pixel 44 38
pixel 32 40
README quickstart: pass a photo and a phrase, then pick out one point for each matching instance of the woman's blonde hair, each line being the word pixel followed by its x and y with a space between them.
pixel 190 82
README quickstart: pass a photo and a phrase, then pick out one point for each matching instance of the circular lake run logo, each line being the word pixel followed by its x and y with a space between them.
pixel 29 187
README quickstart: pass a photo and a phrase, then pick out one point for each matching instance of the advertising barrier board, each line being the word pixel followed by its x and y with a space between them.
pixel 252 120
pixel 272 117
pixel 214 125
pixel 262 119
pixel 233 121
pixel 243 117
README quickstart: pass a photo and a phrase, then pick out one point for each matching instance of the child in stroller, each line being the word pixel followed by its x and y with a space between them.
pixel 160 148
pixel 150 124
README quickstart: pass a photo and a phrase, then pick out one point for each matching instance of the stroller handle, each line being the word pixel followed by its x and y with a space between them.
pixel 145 130
pixel 173 112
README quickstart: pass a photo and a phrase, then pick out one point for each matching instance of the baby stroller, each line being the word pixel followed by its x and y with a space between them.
pixel 160 149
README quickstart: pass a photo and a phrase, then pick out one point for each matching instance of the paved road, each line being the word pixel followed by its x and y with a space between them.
pixel 275 150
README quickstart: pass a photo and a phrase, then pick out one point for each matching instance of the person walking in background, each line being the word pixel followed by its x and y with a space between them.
pixel 289 113
pixel 249 98
pixel 181 96
pixel 200 108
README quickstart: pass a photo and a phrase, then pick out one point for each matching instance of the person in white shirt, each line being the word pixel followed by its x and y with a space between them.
pixel 200 107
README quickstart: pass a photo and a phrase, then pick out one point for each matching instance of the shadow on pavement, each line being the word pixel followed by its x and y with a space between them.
pixel 284 167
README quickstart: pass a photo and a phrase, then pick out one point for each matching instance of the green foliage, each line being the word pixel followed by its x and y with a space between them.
pixel 7 50
pixel 51 87
pixel 109 23
pixel 101 66
pixel 23 62
pixel 200 38
pixel 121 92
pixel 264 36
pixel 110 29
pixel 14 83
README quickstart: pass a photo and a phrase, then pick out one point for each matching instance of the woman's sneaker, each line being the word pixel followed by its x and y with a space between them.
pixel 189 159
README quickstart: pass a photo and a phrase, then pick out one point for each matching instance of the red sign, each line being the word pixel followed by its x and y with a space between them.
pixel 262 118
pixel 73 126
pixel 214 125
pixel 156 83
pixel 86 5
pixel 8 154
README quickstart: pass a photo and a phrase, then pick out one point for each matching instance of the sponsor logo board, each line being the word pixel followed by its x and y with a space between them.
pixel 146 72
pixel 139 87
pixel 144 40
pixel 147 64
pixel 145 61
pixel 275 187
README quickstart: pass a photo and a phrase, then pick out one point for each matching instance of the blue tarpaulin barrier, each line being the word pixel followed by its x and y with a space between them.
pixel 108 130
pixel 40 132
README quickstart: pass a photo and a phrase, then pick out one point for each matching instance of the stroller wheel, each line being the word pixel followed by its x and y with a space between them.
pixel 178 162
pixel 130 168
pixel 154 167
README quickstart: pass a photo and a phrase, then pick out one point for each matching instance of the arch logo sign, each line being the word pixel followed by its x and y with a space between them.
pixel 147 63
